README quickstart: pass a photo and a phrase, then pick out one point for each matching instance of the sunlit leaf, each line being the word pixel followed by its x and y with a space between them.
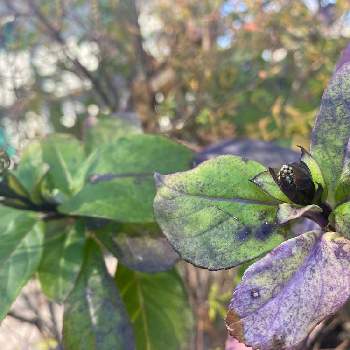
pixel 62 257
pixel 121 185
pixel 65 156
pixel 20 252
pixel 214 216
pixel 31 169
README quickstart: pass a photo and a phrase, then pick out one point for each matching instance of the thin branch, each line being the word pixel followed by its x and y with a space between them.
pixel 56 36
pixel 35 321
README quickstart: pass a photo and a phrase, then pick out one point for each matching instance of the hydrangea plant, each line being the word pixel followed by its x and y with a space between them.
pixel 230 210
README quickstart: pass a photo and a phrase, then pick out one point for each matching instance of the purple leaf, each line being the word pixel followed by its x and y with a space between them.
pixel 286 294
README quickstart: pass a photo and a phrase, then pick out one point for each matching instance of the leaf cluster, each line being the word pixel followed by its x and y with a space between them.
pixel 66 206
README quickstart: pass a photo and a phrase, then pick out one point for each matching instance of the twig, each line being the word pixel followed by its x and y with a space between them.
pixel 35 321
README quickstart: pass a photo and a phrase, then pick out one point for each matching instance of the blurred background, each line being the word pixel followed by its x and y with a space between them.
pixel 199 71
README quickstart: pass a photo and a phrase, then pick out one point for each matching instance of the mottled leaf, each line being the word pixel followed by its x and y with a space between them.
pixel 62 257
pixel 158 308
pixel 94 315
pixel 20 252
pixel 214 216
pixel 287 212
pixel 341 218
pixel 331 132
pixel 266 182
pixel 105 129
pixel 342 190
pixel 121 185
pixel 286 294
pixel 140 247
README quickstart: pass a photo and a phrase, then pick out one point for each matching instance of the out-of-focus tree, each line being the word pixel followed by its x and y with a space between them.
pixel 197 70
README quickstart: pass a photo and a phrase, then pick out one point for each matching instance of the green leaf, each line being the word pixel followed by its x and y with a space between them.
pixel 158 308
pixel 65 156
pixel 214 216
pixel 12 191
pixel 15 186
pixel 340 218
pixel 94 315
pixel 315 171
pixel 266 182
pixel 20 253
pixel 121 186
pixel 332 129
pixel 62 257
pixel 139 247
pixel 108 129
pixel 342 190
pixel 31 170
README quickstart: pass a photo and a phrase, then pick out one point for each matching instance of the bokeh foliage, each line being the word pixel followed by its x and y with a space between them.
pixel 197 70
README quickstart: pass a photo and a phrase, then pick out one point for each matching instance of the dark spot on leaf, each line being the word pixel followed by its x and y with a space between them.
pixel 255 293
pixel 243 233
pixel 340 253
pixel 264 231
pixel 278 342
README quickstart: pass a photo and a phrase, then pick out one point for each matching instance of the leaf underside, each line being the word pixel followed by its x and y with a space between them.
pixel 140 247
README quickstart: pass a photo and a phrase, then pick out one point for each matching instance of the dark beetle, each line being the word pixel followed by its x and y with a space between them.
pixel 296 183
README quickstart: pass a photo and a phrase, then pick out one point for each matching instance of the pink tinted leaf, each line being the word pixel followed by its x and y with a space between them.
pixel 234 344
pixel 286 294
